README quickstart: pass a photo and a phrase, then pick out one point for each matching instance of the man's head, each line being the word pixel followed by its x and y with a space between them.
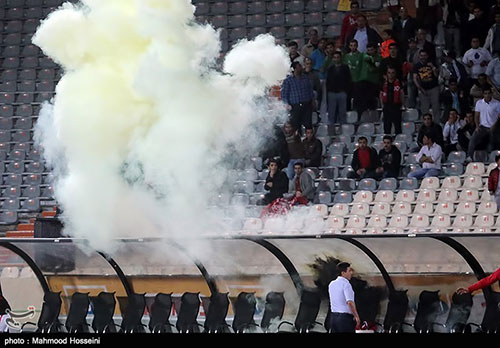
pixel 371 49
pixel 354 7
pixel 293 47
pixel 387 140
pixel 475 43
pixel 453 84
pixel 297 68
pixel 298 168
pixel 482 79
pixel 393 50
pixel 353 45
pixel 423 56
pixel 450 56
pixel 363 142
pixel 421 34
pixel 487 94
pixel 322 43
pixel 469 117
pixel 308 64
pixel 403 12
pixel 361 21
pixel 313 36
pixel 428 139
pixel 386 34
pixel 309 133
pixel 337 58
pixel 453 116
pixel 391 73
pixel 345 270
pixel 288 128
pixel 427 118
pixel 477 12
pixel 412 44
pixel 273 165
pixel 497 17
pixel 330 48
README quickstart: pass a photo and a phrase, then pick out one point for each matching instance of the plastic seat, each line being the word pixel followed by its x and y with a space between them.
pixel 453 169
pixel 366 129
pixel 419 220
pixel 384 196
pixel 335 160
pixel 378 221
pixel 388 184
pixel 430 183
pixel 31 191
pixel 441 220
pixel 448 195
pixel 278 32
pixel 451 182
pixel 398 221
pixel 405 196
pixel 486 196
pixel 7 98
pixel 13 179
pixel 445 208
pixel 15 167
pixel 294 19
pixel 8 86
pixel 462 223
pixel 401 208
pixel 33 179
pixel 29 63
pixel 252 224
pixel 466 207
pixel 4 137
pixel 8 217
pixel 381 208
pixel 202 8
pixel 318 210
pixel 426 195
pixel 219 8
pixel 337 149
pixel 11 204
pixel 274 225
pixel 329 173
pixel 363 196
pixel 410 115
pixel 9 75
pixel 256 6
pixel 325 185
pixel 474 168
pixel 296 32
pixel 339 209
pixel 488 207
pixel 456 157
pixel 240 199
pixel 360 209
pixel 424 208
pixel 32 204
pixel 356 221
pixel 473 182
pixel 6 111
pixel 14 26
pixel 313 18
pixel 484 220
pixel 324 197
pixel 347 184
pixel 408 184
pixel 367 184
pixel 469 195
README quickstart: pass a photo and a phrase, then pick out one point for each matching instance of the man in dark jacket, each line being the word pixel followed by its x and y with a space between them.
pixel 338 87
pixel 276 182
pixel 313 149
pixel 363 34
pixel 405 27
pixel 390 160
pixel 364 161
pixel 453 98
pixel 428 126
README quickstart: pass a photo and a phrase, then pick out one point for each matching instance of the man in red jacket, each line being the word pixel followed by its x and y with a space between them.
pixel 349 22
pixel 487 281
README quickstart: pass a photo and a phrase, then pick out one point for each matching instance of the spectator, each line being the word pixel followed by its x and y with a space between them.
pixel 395 60
pixel 477 27
pixel 450 132
pixel 364 161
pixel 293 52
pixel 477 59
pixel 387 37
pixel 276 147
pixel 493 73
pixel 349 21
pixel 429 157
pixel 411 60
pixel 392 100
pixel 492 42
pixel 453 69
pixel 276 182
pixel 298 93
pixel 313 149
pixel 452 15
pixel 426 79
pixel 316 82
pixel 363 34
pixel 493 11
pixel 476 92
pixel 389 158
pixel 487 111
pixel 353 60
pixel 465 133
pixel 429 127
pixel 493 177
pixel 301 185
pixel 328 62
pixel 312 44
pixel 426 45
pixel 404 28
pixel 428 15
pixel 453 98
pixel 318 56
pixel 366 92
pixel 295 148
pixel 338 87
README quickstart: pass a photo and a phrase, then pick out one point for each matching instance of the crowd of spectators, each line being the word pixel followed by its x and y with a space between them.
pixel 455 90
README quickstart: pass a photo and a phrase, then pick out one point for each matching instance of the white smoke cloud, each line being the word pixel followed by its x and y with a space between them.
pixel 142 124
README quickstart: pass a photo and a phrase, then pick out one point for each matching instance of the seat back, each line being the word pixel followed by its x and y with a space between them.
pixel 429 307
pixel 76 321
pixel 133 309
pixel 48 320
pixel 310 302
pixel 244 310
pixel 190 306
pixel 159 313
pixel 396 309
pixel 104 308
pixel 491 319
pixel 458 315
pixel 215 320
pixel 273 310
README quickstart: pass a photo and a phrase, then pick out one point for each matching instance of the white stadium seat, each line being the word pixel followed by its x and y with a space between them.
pixel 384 196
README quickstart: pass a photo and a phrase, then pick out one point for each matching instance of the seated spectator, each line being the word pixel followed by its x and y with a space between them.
pixel 476 92
pixel 450 131
pixel 293 52
pixel 429 127
pixel 276 182
pixel 453 69
pixel 390 160
pixel 453 98
pixel 493 177
pixel 301 185
pixel 395 60
pixel 476 59
pixel 425 77
pixel 465 133
pixel 392 100
pixel 429 157
pixel 338 87
pixel 492 42
pixel 363 34
pixel 313 149
pixel 364 161
pixel 295 148
pixel 388 39
pixel 487 112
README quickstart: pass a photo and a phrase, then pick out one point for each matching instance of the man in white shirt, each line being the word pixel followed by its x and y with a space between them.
pixel 450 131
pixel 344 316
pixel 486 114
pixel 429 157
pixel 476 58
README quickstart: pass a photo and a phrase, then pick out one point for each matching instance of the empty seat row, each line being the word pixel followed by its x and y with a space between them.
pixel 23 179
pixel 26 97
pixel 30 74
pixel 27 86
pixel 19 167
pixel 9 110
pixel 276 6
pixel 28 63
pixel 31 204
pixel 31 191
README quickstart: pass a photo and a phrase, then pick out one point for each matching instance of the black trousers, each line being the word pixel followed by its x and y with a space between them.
pixel 301 114
pixel 392 116
pixel 365 96
pixel 342 323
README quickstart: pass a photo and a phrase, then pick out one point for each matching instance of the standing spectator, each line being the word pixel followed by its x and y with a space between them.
pixel 487 112
pixel 493 177
pixel 363 34
pixel 364 161
pixel 316 82
pixel 366 93
pixel 430 158
pixel 477 27
pixel 318 56
pixel 465 133
pixel 328 62
pixel 295 148
pixel 301 185
pixel 275 146
pixel 276 182
pixel 387 37
pixel 293 52
pixel 476 92
pixel 450 132
pixel 338 87
pixel 297 92
pixel 349 21
pixel 492 42
pixel 411 59
pixel 313 149
pixel 354 60
pixel 493 71
pixel 426 45
pixel 404 28
pixel 429 127
pixel 312 44
pixel 453 98
pixel 394 60
pixel 390 160
pixel 392 100
pixel 344 316
pixel 477 59
pixel 426 79
pixel 452 16
pixel 453 69
pixel 493 11
pixel 428 15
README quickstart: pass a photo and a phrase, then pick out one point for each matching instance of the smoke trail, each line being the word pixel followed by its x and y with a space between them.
pixel 143 129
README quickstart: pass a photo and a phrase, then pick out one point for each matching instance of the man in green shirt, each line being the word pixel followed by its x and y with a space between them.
pixel 368 86
pixel 353 60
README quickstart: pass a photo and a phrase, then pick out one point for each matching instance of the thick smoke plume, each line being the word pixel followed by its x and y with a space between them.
pixel 145 124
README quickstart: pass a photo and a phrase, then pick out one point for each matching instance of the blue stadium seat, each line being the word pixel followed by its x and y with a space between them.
pixel 295 5
pixel 315 5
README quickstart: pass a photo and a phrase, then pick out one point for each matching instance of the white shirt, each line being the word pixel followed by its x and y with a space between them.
pixel 435 152
pixel 452 130
pixel 488 112
pixel 362 37
pixel 476 56
pixel 340 292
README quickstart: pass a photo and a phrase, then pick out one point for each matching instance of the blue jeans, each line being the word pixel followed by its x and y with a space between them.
pixel 424 173
pixel 289 170
pixel 337 101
